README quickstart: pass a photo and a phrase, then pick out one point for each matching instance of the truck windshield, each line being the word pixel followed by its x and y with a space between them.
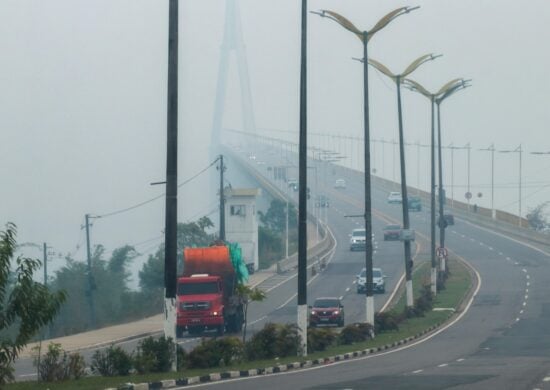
pixel 197 288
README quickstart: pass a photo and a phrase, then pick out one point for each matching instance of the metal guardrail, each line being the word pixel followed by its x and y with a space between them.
pixel 504 222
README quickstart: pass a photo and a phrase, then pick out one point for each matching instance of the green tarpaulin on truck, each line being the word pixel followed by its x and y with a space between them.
pixel 235 253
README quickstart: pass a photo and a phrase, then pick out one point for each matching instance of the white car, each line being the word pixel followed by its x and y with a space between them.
pixel 340 183
pixel 358 240
pixel 395 197
pixel 378 281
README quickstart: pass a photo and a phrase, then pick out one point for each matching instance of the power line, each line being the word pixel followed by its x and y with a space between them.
pixel 156 197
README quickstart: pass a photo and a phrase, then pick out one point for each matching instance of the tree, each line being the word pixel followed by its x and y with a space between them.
pixel 25 305
pixel 537 218
pixel 247 295
pixel 275 217
pixel 151 276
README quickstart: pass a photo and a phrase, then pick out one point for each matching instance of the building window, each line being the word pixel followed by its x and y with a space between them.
pixel 238 209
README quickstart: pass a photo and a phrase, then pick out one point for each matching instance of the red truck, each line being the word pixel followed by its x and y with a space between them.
pixel 206 292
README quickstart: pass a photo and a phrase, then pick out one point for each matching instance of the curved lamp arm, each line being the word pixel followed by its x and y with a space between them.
pixel 382 68
pixel 348 25
pixel 419 61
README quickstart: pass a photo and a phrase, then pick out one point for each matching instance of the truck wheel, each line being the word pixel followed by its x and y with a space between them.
pixel 179 331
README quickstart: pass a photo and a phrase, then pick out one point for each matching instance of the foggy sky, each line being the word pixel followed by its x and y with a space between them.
pixel 83 100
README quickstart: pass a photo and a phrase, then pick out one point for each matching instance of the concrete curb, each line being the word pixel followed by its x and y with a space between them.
pixel 295 366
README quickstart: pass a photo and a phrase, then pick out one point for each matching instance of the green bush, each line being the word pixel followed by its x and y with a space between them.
pixel 262 344
pixel 274 340
pixel 318 339
pixel 57 365
pixel 424 302
pixel 154 355
pixel 384 322
pixel 217 352
pixel 113 361
pixel 355 333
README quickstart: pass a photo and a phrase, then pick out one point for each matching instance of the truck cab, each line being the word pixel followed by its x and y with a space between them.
pixel 200 304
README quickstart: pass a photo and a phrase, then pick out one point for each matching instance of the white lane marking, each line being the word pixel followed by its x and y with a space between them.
pixel 460 360
pixel 524 303
pixel 546 379
pixel 258 320
pixel 347 289
pixel 390 298
pixel 355 281
pixel 26 375
pixel 527 276
pixel 490 248
pixel 526 291
pixel 454 231
pixel 521 312
pixel 443 365
pixel 517 319
pixel 341 297
pixel 500 253
pixel 463 236
pixel 471 239
pixel 413 344
pixel 516 263
pixel 526 296
pixel 417 371
pixel 524 270
pixel 528 284
pixel 507 258
pixel 482 244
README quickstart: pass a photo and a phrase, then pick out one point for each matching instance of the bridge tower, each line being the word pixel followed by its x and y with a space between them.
pixel 232 45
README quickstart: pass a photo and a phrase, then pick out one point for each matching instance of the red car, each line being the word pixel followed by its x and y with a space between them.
pixel 392 232
pixel 326 311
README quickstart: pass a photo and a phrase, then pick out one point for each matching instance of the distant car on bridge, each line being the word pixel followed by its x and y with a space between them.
pixel 340 184
pixel 395 197
pixel 392 232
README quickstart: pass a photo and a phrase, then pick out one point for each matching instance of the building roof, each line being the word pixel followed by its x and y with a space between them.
pixel 234 192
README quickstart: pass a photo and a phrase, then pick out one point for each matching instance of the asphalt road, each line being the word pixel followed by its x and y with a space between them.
pixel 502 342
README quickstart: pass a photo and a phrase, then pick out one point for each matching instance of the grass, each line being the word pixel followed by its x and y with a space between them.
pixel 457 286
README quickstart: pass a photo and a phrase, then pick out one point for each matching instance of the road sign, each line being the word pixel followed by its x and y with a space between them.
pixel 468 195
pixel 442 252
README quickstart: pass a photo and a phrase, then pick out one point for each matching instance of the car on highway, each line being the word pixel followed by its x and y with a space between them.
pixel 449 219
pixel 322 201
pixel 392 232
pixel 340 184
pixel 395 197
pixel 358 239
pixel 415 204
pixel 378 281
pixel 326 311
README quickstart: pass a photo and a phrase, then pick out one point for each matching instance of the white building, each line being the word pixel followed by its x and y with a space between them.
pixel 241 224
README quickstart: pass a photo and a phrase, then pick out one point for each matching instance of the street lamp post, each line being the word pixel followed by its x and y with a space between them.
pixel 398 78
pixel 518 150
pixel 457 86
pixel 365 36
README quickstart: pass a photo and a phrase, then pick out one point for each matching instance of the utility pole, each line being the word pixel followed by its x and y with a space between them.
pixel 171 211
pixel 91 284
pixel 302 200
pixel 45 265
pixel 222 201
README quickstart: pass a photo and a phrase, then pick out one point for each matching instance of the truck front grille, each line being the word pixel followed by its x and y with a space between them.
pixel 195 305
